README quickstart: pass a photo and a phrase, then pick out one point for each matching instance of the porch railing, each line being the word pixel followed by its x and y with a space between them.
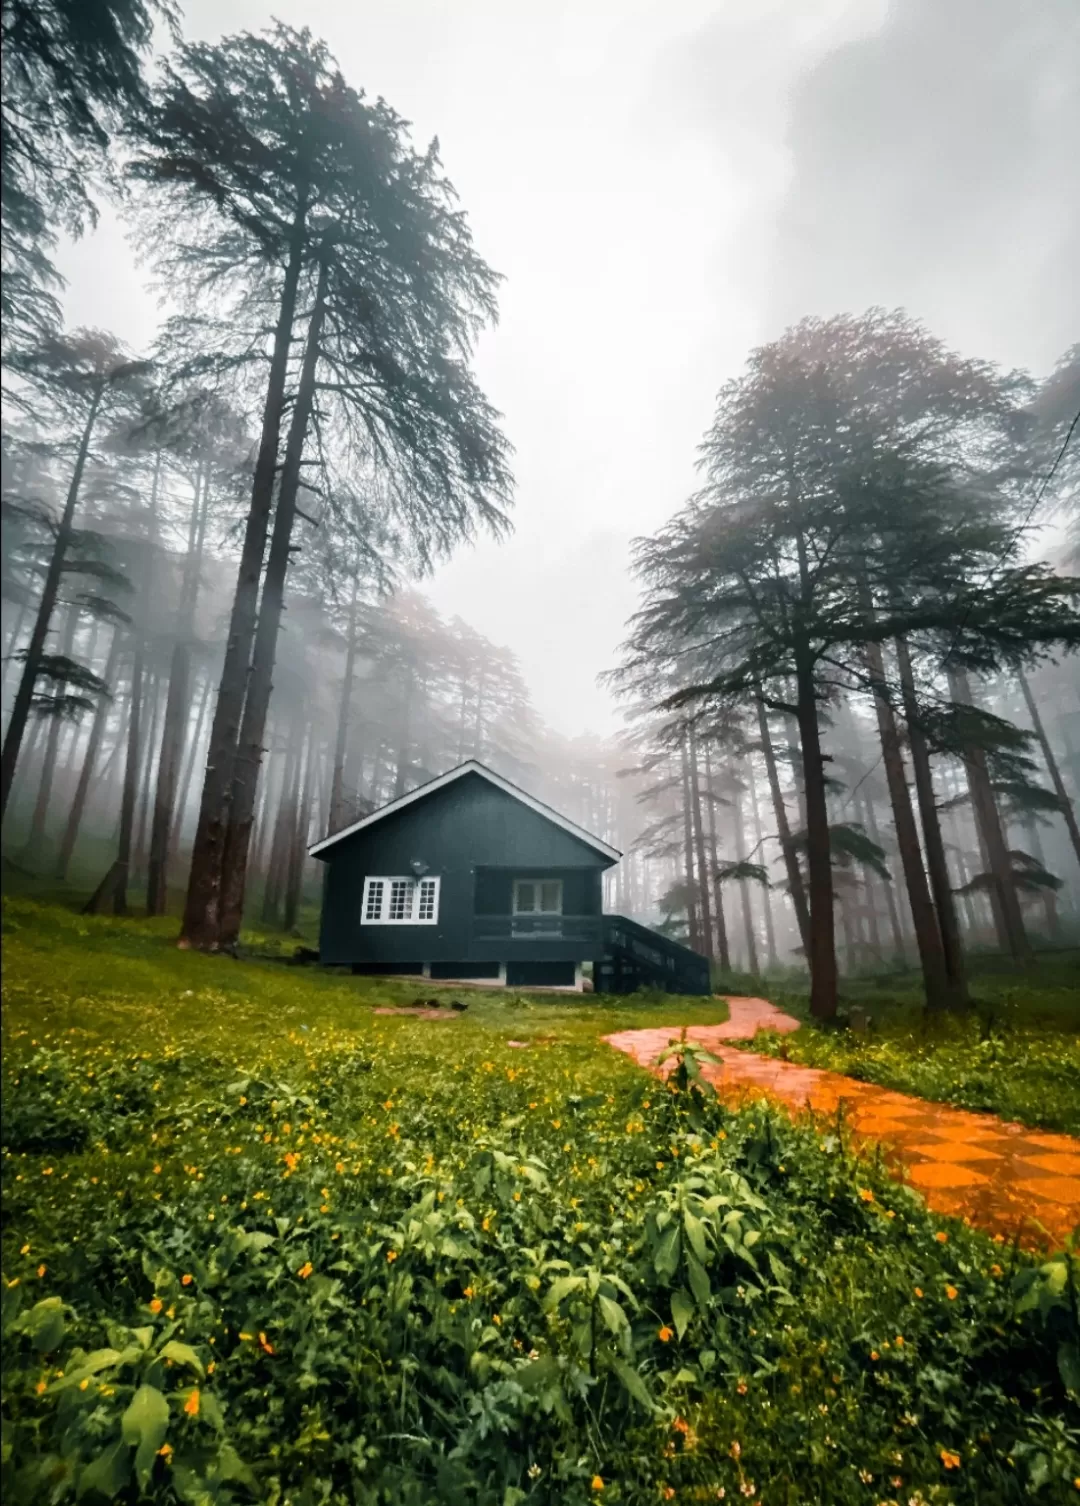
pixel 538 927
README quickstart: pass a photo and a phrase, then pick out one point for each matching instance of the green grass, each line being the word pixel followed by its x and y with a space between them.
pixel 261 1243
pixel 1016 1053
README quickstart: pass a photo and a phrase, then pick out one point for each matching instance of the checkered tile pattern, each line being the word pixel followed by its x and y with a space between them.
pixel 1002 1177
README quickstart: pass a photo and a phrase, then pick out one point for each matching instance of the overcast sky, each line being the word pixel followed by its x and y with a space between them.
pixel 664 185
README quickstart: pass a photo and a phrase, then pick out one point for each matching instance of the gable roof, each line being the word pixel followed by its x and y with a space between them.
pixel 470 767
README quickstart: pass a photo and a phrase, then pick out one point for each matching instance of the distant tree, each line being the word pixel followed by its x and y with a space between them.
pixel 71 73
pixel 309 201
pixel 86 376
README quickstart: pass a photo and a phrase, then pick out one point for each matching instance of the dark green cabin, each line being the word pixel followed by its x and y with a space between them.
pixel 469 877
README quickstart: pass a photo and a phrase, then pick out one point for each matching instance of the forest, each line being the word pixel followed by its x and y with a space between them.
pixel 846 770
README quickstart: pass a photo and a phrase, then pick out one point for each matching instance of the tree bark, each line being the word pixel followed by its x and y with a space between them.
pixel 283 827
pixel 113 887
pixel 189 768
pixel 988 822
pixel 154 702
pixel 36 837
pixel 939 993
pixel 796 887
pixel 772 959
pixel 1067 809
pixel 714 856
pixel 699 849
pixel 341 742
pixel 257 702
pixel 20 709
pixel 936 863
pixel 295 884
pixel 177 716
pixel 688 851
pixel 202 910
pixel 744 887
pixel 824 980
pixel 93 746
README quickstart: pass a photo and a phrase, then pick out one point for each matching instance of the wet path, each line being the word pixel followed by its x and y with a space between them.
pixel 999 1176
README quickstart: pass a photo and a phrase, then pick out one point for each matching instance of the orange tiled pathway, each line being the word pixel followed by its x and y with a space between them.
pixel 1002 1177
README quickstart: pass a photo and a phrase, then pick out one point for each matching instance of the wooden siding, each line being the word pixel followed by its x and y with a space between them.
pixel 466 826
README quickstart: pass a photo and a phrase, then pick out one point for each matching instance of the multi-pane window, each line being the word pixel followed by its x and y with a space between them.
pixel 373 899
pixel 427 900
pixel 401 899
pixel 400 902
pixel 537 896
pixel 537 907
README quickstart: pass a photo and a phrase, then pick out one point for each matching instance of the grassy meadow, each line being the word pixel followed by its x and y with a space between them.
pixel 263 1244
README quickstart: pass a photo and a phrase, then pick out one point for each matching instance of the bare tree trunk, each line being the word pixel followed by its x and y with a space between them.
pixel 744 887
pixel 97 729
pixel 155 704
pixel 35 649
pixel 699 849
pixel 271 606
pixel 796 887
pixel 714 857
pixel 1067 810
pixel 341 743
pixel 824 979
pixel 295 884
pixel 936 864
pixel 113 886
pixel 202 911
pixel 177 704
pixel 283 827
pixel 189 768
pixel 772 960
pixel 688 851
pixel 988 821
pixel 939 993
pixel 36 838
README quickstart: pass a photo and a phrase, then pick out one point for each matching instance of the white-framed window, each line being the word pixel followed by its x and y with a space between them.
pixel 538 896
pixel 400 901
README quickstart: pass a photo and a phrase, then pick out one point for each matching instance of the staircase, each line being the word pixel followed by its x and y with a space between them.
pixel 636 957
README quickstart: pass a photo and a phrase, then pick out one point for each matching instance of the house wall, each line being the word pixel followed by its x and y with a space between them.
pixel 465 826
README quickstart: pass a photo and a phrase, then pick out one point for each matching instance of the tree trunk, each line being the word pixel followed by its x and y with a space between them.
pixel 699 849
pixel 20 709
pixel 202 910
pixel 796 887
pixel 714 857
pixel 294 886
pixel 939 993
pixel 1067 809
pixel 36 838
pixel 283 827
pixel 177 716
pixel 988 822
pixel 257 702
pixel 824 982
pixel 937 866
pixel 154 704
pixel 337 787
pixel 688 851
pixel 113 887
pixel 772 960
pixel 744 887
pixel 97 729
pixel 189 768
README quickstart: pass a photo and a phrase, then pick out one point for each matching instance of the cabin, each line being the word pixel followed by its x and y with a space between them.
pixel 469 878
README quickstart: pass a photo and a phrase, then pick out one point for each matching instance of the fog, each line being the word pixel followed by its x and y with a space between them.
pixel 662 188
